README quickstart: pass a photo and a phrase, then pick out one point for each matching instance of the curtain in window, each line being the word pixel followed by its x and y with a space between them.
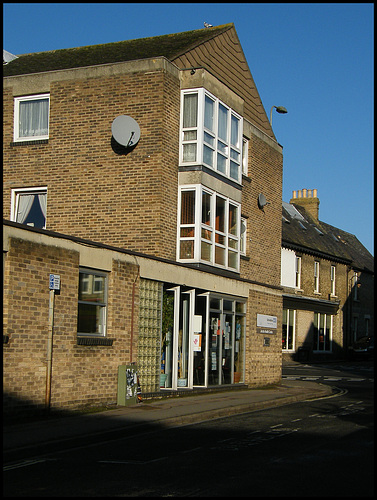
pixel 223 122
pixel 208 113
pixel 33 118
pixel 43 203
pixel 188 207
pixel 25 201
pixel 190 110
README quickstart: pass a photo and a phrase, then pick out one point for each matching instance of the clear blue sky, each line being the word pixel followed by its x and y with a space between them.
pixel 316 60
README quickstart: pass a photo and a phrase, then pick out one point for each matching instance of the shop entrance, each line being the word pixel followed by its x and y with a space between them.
pixel 202 339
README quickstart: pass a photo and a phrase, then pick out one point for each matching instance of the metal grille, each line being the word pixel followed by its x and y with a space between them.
pixel 149 351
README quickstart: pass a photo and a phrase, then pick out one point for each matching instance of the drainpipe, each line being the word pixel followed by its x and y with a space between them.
pixel 49 348
pixel 132 312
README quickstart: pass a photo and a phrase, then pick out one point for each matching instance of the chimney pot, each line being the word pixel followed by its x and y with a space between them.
pixel 310 194
pixel 299 193
pixel 304 193
pixel 314 193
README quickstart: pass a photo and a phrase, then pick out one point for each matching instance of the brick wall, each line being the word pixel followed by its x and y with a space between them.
pixel 92 191
pixel 81 374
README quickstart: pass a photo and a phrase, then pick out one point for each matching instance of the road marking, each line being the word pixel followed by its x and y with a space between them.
pixel 24 463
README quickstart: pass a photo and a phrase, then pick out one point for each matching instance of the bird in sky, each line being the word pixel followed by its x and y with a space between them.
pixel 207 25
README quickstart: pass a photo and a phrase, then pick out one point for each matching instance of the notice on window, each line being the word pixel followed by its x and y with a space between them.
pixel 197 342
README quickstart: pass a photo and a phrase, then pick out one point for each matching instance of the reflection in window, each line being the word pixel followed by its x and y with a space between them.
pixel 91 303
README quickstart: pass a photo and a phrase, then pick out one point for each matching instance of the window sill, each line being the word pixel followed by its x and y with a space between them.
pixel 29 143
pixel 105 341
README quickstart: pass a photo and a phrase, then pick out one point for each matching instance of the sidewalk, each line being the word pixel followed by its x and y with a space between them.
pixel 166 412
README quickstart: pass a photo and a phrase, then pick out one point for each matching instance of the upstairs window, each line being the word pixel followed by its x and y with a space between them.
pixel 298 272
pixel 332 280
pixel 209 228
pixel 316 277
pixel 29 206
pixel 211 134
pixel 31 117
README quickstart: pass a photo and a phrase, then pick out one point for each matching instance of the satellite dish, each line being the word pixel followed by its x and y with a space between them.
pixel 262 202
pixel 126 131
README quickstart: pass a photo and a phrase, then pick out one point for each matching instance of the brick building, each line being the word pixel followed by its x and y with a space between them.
pixel 164 255
pixel 328 280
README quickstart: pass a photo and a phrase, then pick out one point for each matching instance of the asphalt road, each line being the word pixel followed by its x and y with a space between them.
pixel 322 447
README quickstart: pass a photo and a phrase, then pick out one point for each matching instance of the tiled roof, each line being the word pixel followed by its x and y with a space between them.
pixel 169 46
pixel 301 232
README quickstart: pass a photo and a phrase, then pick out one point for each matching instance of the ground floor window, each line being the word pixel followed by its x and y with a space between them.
pixel 92 303
pixel 288 327
pixel 322 334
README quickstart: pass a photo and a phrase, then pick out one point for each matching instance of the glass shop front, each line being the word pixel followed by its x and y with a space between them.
pixel 202 338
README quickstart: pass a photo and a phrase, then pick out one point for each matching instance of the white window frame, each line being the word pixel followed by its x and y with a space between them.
pixel 286 349
pixel 245 156
pixel 333 280
pixel 212 135
pixel 316 276
pixel 228 238
pixel 15 195
pixel 327 317
pixel 298 272
pixel 16 128
pixel 243 236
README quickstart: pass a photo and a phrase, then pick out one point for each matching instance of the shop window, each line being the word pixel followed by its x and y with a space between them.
pixel 31 117
pixel 92 303
pixel 288 326
pixel 322 332
pixel 29 206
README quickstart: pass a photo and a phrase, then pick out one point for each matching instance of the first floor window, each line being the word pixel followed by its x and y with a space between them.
pixel 322 332
pixel 29 206
pixel 31 117
pixel 316 276
pixel 298 272
pixel 92 303
pixel 209 228
pixel 332 279
pixel 288 329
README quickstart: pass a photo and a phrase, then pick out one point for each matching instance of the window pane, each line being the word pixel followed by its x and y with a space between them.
pixel 91 288
pixel 220 214
pixel 233 219
pixel 188 207
pixel 222 148
pixel 190 110
pixel 90 319
pixel 189 135
pixel 221 163
pixel 234 135
pixel 31 209
pixel 206 234
pixel 33 118
pixel 220 256
pixel 223 123
pixel 207 156
pixel 232 259
pixel 206 209
pixel 232 243
pixel 206 251
pixel 186 249
pixel 189 152
pixel 234 168
pixel 209 106
pixel 209 139
pixel 187 232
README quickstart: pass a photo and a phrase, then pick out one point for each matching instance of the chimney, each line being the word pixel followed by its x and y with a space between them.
pixel 306 198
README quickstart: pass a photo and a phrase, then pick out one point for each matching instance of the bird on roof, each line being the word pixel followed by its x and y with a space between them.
pixel 207 25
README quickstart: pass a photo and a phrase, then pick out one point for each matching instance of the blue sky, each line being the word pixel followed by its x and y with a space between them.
pixel 314 59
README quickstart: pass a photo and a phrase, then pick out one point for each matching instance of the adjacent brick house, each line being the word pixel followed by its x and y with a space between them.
pixel 164 255
pixel 328 280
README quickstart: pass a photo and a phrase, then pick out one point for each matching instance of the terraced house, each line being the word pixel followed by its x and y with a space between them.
pixel 328 284
pixel 132 173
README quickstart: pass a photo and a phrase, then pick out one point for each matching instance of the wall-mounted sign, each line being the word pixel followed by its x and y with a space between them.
pixel 266 323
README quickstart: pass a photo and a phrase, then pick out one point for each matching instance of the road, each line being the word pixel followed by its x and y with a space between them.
pixel 322 447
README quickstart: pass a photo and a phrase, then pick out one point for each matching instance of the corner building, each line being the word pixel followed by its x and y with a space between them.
pixel 171 262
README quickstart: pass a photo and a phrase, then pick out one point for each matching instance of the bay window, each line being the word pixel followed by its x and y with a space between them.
pixel 211 134
pixel 209 228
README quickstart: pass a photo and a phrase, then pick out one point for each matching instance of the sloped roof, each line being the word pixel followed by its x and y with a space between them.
pixel 169 46
pixel 302 232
